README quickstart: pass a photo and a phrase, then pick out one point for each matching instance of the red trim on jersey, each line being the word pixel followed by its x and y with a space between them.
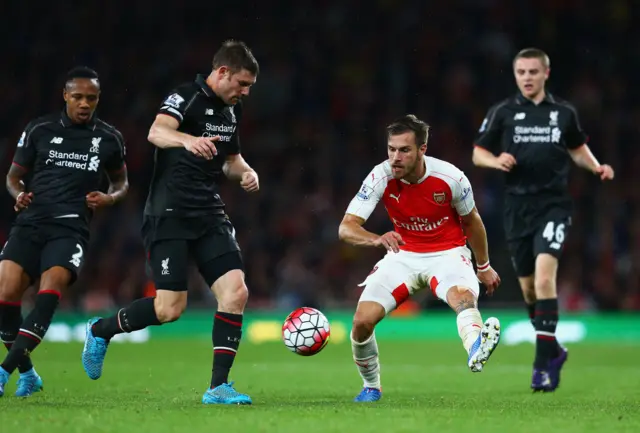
pixel 169 114
pixel 18 165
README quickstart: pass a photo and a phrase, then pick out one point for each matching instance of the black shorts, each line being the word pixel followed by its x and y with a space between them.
pixel 41 245
pixel 170 243
pixel 533 227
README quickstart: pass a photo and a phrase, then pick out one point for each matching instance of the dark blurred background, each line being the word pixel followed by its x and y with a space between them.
pixel 333 74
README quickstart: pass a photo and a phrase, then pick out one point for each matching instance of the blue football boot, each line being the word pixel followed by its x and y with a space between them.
pixel 28 383
pixel 95 349
pixel 225 394
pixel 368 395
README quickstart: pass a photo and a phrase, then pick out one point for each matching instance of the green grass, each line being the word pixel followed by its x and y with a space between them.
pixel 156 387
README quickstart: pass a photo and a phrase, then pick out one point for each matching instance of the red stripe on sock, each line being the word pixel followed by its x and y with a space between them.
pixel 14 304
pixel 540 313
pixel 232 322
pixel 226 352
pixel 546 337
pixel 50 292
pixel 29 336
pixel 476 325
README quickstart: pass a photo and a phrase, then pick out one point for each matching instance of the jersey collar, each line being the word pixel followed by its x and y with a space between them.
pixel 66 122
pixel 521 100
pixel 426 172
pixel 201 81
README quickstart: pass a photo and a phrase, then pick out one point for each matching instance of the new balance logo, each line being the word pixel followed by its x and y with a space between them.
pixel 56 140
pixel 165 266
pixel 397 197
pixel 208 112
pixel 519 116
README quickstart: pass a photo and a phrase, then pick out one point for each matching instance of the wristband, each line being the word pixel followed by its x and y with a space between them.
pixel 483 267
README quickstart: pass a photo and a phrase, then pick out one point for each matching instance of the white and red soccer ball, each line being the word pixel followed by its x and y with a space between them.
pixel 306 331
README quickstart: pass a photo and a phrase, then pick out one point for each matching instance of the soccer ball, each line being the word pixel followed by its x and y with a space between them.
pixel 305 331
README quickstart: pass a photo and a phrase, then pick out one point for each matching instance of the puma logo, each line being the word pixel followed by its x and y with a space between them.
pixel 397 197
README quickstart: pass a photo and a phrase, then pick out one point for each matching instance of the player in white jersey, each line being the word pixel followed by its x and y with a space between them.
pixel 431 205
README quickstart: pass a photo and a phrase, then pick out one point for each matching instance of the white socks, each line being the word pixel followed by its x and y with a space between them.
pixel 365 355
pixel 469 327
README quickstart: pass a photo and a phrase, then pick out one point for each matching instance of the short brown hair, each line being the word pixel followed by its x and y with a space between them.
pixel 410 123
pixel 236 56
pixel 534 53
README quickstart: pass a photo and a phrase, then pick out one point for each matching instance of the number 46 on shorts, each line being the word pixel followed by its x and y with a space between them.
pixel 554 233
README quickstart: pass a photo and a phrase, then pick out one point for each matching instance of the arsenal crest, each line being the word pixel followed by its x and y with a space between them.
pixel 439 197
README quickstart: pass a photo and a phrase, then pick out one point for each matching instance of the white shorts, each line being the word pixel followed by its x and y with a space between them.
pixel 399 275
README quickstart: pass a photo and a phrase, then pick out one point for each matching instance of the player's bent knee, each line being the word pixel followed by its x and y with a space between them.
pixel 13 281
pixel 56 279
pixel 367 316
pixel 460 298
pixel 231 292
pixel 545 286
pixel 362 329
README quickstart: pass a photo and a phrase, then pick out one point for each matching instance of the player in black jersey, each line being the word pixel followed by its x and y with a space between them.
pixel 55 179
pixel 196 139
pixel 533 137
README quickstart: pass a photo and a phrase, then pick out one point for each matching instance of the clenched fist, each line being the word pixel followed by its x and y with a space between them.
pixel 23 201
pixel 250 181
pixel 98 199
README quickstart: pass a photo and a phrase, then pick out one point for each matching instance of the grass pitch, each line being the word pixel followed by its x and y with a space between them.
pixel 156 387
